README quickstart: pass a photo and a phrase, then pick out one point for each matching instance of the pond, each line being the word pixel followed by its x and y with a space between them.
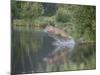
pixel 29 47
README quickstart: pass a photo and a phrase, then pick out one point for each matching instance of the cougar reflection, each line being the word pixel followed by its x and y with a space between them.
pixel 63 43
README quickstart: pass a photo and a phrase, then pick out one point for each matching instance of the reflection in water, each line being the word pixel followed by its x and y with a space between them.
pixel 30 47
pixel 67 42
pixel 63 43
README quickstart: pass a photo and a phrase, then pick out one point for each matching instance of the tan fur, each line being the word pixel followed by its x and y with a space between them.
pixel 57 31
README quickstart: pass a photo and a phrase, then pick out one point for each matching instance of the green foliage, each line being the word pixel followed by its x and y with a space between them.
pixel 31 10
pixel 79 21
pixel 84 18
pixel 63 15
pixel 45 20
pixel 14 9
pixel 26 10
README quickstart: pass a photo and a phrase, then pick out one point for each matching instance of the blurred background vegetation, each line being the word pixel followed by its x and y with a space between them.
pixel 73 18
pixel 78 20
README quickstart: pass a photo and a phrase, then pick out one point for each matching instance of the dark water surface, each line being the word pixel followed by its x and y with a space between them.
pixel 29 47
